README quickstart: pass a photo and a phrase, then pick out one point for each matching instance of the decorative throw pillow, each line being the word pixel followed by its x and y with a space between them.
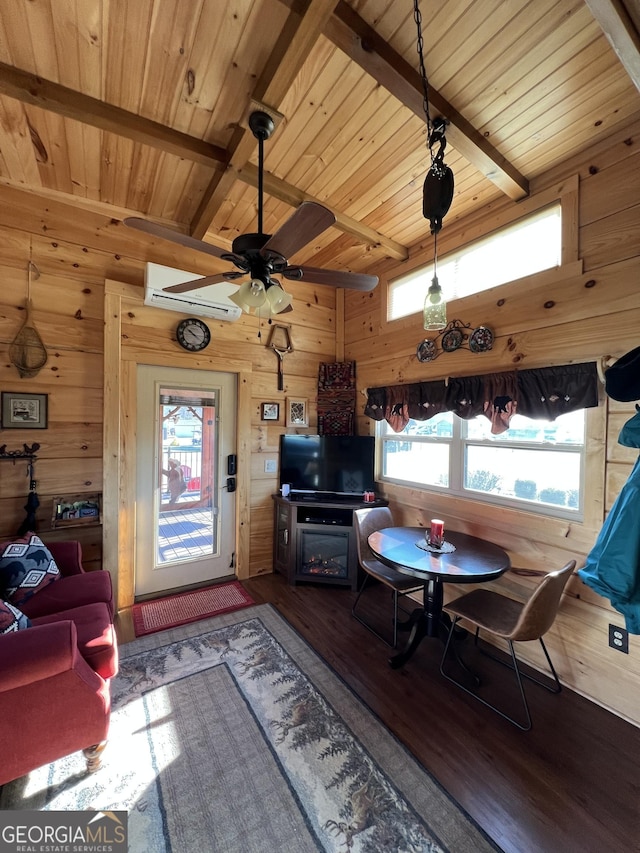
pixel 12 619
pixel 26 566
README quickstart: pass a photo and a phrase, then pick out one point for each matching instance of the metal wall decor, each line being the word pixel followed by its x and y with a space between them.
pixel 27 452
pixel 454 336
pixel 280 342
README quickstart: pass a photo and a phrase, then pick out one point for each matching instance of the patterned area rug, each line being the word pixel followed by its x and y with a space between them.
pixel 232 735
pixel 185 607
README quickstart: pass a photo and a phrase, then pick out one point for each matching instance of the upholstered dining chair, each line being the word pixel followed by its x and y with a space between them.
pixel 367 521
pixel 513 621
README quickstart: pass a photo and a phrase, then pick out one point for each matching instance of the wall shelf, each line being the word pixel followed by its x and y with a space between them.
pixel 77 510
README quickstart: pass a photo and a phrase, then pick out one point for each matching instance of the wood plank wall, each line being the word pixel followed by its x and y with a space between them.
pixel 595 313
pixel 76 252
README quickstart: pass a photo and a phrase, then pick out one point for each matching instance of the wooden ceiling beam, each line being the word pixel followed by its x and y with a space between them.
pixel 361 43
pixel 34 90
pixel 299 34
pixel 31 89
pixel 616 23
pixel 90 205
pixel 292 195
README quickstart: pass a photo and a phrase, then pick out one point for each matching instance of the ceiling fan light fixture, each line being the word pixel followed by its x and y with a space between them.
pixel 435 307
pixel 278 298
pixel 251 294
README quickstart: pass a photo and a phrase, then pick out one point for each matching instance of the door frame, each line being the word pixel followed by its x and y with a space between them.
pixel 122 354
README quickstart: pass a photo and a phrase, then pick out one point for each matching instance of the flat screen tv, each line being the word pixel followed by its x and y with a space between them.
pixel 324 465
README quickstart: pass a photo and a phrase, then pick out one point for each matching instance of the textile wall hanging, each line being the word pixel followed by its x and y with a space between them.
pixel 336 398
pixel 543 393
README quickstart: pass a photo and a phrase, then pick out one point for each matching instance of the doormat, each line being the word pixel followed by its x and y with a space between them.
pixel 162 613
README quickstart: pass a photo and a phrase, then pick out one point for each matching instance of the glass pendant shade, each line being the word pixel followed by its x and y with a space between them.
pixel 435 307
pixel 278 299
pixel 254 294
pixel 251 294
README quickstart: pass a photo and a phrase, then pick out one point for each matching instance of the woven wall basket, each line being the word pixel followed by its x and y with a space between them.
pixel 27 352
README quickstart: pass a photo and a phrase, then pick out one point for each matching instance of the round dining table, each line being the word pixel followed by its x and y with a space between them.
pixel 463 559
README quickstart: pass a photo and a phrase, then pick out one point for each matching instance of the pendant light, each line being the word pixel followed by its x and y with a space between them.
pixel 437 192
pixel 435 307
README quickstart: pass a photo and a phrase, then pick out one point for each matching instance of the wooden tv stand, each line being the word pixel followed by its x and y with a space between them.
pixel 315 541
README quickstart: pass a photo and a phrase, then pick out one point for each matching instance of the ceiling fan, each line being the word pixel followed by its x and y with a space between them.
pixel 261 256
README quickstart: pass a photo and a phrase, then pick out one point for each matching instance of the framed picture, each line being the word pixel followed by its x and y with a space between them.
pixel 297 413
pixel 270 411
pixel 24 411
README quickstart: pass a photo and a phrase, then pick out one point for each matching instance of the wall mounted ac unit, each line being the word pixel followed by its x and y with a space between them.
pixel 212 301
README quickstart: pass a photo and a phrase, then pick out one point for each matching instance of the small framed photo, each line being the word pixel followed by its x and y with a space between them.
pixel 270 411
pixel 297 412
pixel 24 411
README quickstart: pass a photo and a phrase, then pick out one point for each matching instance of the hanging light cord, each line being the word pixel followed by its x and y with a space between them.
pixel 417 16
pixel 435 256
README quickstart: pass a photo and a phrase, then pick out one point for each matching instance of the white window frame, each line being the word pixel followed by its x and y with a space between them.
pixel 458 444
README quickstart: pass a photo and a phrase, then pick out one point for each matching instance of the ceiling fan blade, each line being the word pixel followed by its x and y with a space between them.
pixel 336 278
pixel 197 283
pixel 174 236
pixel 303 226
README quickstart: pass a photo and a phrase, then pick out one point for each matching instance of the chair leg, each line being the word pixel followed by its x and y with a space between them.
pixel 528 724
pixel 360 591
pixel 395 619
pixel 367 625
pixel 556 688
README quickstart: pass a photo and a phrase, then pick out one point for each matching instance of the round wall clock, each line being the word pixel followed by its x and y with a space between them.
pixel 193 334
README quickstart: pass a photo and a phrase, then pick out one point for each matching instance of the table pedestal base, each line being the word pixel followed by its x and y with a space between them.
pixel 426 621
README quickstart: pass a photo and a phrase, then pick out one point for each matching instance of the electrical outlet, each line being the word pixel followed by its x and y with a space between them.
pixel 619 639
pixel 269 466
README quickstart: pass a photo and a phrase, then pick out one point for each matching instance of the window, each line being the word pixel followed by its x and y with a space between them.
pixel 528 246
pixel 535 465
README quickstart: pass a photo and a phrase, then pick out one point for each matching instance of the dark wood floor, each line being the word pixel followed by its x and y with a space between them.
pixel 571 784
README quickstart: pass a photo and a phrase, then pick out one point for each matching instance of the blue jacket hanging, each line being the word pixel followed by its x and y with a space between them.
pixel 612 567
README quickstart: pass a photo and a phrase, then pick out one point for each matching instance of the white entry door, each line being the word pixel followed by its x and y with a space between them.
pixel 185 513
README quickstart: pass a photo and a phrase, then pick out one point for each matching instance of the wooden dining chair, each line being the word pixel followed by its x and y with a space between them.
pixel 513 621
pixel 367 521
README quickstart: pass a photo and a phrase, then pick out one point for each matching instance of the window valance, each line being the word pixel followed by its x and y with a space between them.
pixel 543 393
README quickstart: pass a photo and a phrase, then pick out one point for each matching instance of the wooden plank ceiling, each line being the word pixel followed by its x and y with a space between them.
pixel 140 108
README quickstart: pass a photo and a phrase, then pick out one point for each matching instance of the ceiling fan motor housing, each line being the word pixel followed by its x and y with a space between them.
pixel 248 255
